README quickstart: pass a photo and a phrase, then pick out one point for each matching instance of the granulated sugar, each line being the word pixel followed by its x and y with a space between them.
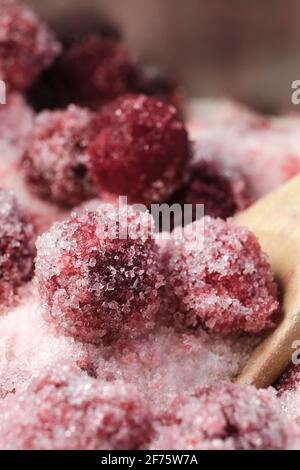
pixel 160 364
pixel 28 344
pixel 166 362
pixel 250 143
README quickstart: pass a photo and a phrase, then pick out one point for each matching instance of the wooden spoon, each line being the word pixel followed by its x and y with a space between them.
pixel 275 219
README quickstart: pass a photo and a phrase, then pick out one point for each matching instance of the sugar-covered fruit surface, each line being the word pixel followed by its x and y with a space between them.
pixel 140 149
pixel 97 281
pixel 113 335
pixel 17 247
pixel 27 46
pixel 224 283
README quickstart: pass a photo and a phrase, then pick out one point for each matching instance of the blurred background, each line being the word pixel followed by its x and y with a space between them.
pixel 247 50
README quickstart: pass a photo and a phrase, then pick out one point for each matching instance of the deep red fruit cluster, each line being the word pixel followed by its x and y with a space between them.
pixel 66 410
pixel 98 273
pixel 220 278
pixel 95 71
pixel 141 149
pixel 17 246
pixel 26 45
pixel 223 417
pixel 55 161
pixel 222 192
pixel 290 380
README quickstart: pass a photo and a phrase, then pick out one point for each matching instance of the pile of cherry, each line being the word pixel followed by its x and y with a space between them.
pixel 113 131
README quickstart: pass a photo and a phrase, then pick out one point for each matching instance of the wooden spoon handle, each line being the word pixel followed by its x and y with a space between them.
pixel 275 220
pixel 273 355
